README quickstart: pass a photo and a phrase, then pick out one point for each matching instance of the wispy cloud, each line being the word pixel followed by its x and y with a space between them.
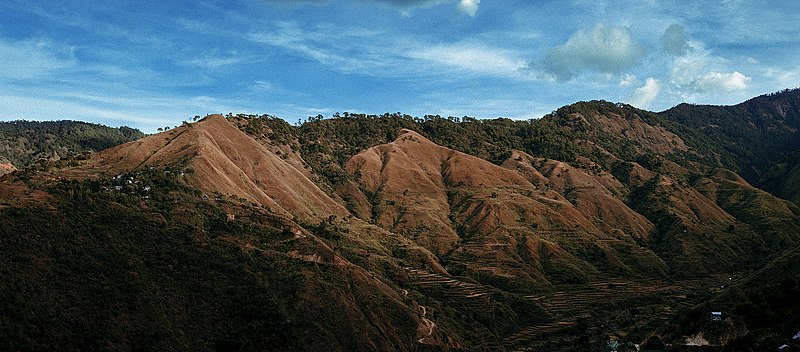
pixel 139 109
pixel 468 7
pixel 37 108
pixel 407 3
pixel 214 62
pixel 778 78
pixel 355 51
pixel 472 58
pixel 460 102
pixel 343 50
pixel 32 59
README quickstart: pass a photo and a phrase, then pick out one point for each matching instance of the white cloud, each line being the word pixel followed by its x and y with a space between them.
pixel 462 102
pixel 306 110
pixel 700 72
pixel 604 49
pixel 718 81
pixel 214 62
pixel 473 58
pixel 469 7
pixel 644 95
pixel 266 85
pixel 407 3
pixel 686 69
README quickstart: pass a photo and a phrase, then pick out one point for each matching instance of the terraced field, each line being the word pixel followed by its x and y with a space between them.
pixel 578 314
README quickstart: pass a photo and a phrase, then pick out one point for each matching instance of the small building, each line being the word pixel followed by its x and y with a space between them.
pixel 716 316
pixel 612 346
pixel 796 336
pixel 783 347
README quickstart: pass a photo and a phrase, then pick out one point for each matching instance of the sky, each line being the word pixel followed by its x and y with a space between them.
pixel 151 64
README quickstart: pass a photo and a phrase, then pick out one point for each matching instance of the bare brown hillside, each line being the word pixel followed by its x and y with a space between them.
pixel 222 159
pixel 535 221
pixel 7 168
pixel 594 192
pixel 508 224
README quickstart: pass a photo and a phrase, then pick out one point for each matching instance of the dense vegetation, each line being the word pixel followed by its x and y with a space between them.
pixel 152 265
pixel 760 310
pixel 757 138
pixel 24 142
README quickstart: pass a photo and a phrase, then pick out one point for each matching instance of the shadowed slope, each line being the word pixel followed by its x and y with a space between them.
pixel 596 195
pixel 98 270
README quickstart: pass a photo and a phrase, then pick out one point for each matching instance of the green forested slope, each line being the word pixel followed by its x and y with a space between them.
pixel 22 142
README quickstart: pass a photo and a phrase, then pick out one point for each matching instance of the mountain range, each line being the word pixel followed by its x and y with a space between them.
pixel 598 222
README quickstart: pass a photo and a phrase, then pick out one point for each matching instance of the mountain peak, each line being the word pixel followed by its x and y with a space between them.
pixel 602 120
pixel 407 135
pixel 224 160
pixel 214 118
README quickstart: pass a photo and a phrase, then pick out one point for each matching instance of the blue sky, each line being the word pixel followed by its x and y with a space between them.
pixel 154 64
